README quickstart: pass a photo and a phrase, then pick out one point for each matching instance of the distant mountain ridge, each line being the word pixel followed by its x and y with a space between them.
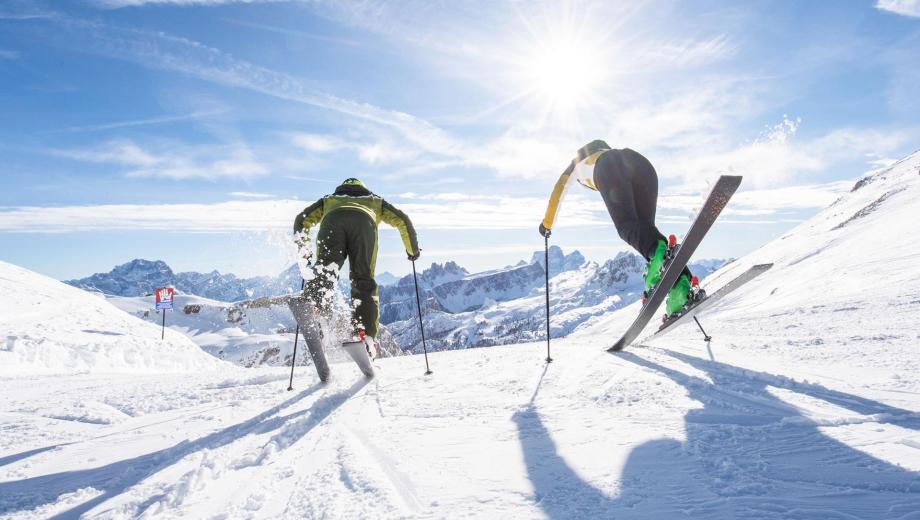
pixel 139 277
pixel 507 305
pixel 461 309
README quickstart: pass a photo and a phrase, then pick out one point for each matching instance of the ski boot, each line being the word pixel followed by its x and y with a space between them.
pixel 655 267
pixel 685 294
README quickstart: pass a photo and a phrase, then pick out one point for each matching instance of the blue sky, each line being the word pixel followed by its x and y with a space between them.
pixel 193 131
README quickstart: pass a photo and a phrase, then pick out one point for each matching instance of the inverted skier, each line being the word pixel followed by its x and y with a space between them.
pixel 348 221
pixel 629 186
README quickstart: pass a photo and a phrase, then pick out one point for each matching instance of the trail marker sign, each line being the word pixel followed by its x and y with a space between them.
pixel 165 298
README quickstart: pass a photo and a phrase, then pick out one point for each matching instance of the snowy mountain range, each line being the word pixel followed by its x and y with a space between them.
pixel 140 277
pixel 508 305
pixel 460 309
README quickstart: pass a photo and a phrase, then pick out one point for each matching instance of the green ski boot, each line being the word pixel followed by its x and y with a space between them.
pixel 678 296
pixel 654 268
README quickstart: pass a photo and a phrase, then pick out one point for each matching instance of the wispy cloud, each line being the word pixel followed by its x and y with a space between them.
pixel 23 10
pixel 903 7
pixel 9 55
pixel 690 53
pixel 152 121
pixel 192 58
pixel 443 211
pixel 250 195
pixel 377 153
pixel 118 4
pixel 294 32
pixel 173 160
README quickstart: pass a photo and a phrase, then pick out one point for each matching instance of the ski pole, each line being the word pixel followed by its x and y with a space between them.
pixel 549 359
pixel 421 326
pixel 296 334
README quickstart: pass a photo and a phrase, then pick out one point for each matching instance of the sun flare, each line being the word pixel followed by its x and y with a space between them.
pixel 561 68
pixel 562 73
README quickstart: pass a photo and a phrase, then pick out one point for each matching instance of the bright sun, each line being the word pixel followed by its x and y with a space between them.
pixel 562 74
pixel 560 67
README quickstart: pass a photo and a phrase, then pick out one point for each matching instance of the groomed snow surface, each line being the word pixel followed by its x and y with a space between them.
pixel 806 404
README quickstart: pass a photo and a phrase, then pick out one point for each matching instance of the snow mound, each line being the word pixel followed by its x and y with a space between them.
pixel 49 326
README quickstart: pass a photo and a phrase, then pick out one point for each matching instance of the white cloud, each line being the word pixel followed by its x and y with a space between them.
pixel 9 55
pixel 903 7
pixel 173 160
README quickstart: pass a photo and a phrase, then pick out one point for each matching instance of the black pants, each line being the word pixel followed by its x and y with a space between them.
pixel 348 234
pixel 629 186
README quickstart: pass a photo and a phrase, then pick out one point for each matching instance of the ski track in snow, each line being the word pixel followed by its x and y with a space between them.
pixel 806 404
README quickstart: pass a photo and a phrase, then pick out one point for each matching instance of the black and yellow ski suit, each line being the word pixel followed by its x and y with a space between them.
pixel 348 221
pixel 628 184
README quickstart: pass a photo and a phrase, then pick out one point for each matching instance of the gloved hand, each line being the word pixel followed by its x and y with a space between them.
pixel 545 232
pixel 414 256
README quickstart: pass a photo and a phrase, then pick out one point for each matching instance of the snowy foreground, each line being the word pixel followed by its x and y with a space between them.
pixel 806 404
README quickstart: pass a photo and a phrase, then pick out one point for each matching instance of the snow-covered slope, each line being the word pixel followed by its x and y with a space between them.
pixel 49 326
pixel 805 405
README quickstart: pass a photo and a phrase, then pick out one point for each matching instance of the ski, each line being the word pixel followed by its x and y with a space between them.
pixel 358 352
pixel 716 201
pixel 709 300
pixel 312 334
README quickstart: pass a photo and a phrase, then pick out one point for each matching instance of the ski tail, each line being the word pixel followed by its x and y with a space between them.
pixel 304 314
pixel 358 352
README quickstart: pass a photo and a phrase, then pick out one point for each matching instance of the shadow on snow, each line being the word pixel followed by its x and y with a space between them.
pixel 117 477
pixel 748 454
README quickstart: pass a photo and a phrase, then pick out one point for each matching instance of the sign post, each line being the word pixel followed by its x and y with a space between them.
pixel 164 301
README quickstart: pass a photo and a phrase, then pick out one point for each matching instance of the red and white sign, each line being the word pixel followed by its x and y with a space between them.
pixel 165 298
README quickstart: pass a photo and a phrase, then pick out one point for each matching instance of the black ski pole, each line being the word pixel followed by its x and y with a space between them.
pixel 421 326
pixel 296 334
pixel 549 359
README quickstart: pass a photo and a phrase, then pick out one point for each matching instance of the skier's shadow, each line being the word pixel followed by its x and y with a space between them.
pixel 117 477
pixel 748 454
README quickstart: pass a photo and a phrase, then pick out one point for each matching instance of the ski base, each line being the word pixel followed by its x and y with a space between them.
pixel 716 201
pixel 709 300
pixel 312 334
pixel 358 352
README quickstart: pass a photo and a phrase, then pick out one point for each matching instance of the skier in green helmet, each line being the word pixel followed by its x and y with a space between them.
pixel 629 186
pixel 348 221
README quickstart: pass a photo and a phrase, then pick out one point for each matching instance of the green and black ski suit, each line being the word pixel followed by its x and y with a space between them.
pixel 348 221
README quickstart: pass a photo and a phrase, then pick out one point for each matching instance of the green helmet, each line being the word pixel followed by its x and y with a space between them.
pixel 352 182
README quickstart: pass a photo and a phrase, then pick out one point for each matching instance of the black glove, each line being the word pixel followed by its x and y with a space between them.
pixel 545 232
pixel 414 256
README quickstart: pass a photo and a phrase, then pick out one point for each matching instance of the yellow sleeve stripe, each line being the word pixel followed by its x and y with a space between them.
pixel 555 200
